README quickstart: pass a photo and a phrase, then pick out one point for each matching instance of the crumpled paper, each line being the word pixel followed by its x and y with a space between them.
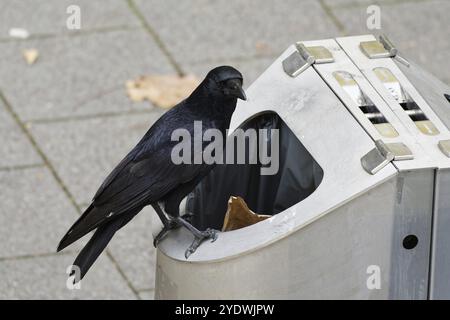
pixel 239 215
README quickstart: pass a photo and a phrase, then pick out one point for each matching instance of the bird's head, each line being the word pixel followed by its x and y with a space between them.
pixel 225 82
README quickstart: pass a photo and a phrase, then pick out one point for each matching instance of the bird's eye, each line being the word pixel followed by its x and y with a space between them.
pixel 232 83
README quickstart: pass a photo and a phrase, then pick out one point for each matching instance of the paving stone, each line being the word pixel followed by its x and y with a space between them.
pixel 355 3
pixel 34 211
pixel 50 16
pixel 46 277
pixel 210 30
pixel 348 3
pixel 15 148
pixel 147 295
pixel 80 75
pixel 420 30
pixel 84 152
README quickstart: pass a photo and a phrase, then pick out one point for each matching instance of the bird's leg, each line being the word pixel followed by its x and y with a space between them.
pixel 200 236
pixel 169 224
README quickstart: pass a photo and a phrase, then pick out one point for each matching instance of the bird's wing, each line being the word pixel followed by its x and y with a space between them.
pixel 117 170
pixel 137 183
pixel 148 179
pixel 152 144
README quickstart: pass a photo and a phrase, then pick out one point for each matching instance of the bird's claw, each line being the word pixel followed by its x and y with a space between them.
pixel 207 234
pixel 163 233
pixel 214 234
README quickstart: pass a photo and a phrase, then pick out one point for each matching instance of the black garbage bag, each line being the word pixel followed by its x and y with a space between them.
pixel 297 177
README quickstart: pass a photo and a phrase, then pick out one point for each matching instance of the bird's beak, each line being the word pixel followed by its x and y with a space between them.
pixel 235 89
pixel 241 93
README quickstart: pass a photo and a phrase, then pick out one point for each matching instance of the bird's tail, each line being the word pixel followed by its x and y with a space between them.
pixel 96 245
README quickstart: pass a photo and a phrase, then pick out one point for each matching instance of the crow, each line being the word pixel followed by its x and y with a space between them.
pixel 148 176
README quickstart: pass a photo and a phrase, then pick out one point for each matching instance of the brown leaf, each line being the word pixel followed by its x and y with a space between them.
pixel 30 55
pixel 239 215
pixel 164 91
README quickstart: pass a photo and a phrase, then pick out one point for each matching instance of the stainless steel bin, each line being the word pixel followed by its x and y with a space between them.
pixel 377 125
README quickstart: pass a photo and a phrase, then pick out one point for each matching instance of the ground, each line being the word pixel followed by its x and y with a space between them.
pixel 65 121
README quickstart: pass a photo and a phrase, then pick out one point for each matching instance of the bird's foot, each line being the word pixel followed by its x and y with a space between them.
pixel 171 224
pixel 199 238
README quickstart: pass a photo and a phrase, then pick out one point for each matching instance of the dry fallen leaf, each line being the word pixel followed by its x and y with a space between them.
pixel 239 215
pixel 30 55
pixel 164 91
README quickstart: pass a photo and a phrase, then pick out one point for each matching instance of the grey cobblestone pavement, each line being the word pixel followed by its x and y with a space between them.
pixel 66 120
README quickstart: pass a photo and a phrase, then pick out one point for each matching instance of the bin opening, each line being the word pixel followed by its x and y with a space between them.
pixel 298 176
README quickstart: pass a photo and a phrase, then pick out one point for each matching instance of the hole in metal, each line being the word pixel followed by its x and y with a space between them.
pixel 412 109
pixel 365 104
pixel 410 242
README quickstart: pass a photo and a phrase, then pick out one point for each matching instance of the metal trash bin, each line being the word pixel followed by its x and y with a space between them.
pixel 375 128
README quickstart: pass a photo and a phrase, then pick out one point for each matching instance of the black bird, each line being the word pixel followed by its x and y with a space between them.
pixel 147 176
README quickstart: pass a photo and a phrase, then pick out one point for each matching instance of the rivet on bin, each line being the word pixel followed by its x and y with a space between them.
pixel 444 146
